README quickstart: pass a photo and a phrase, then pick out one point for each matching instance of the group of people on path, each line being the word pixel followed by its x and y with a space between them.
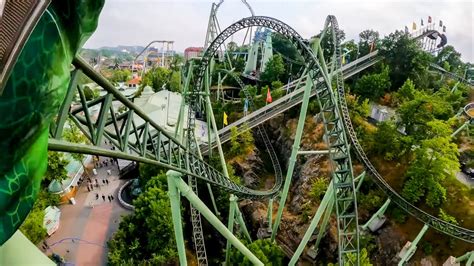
pixel 109 197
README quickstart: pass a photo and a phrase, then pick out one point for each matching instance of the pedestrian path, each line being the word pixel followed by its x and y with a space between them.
pixel 86 226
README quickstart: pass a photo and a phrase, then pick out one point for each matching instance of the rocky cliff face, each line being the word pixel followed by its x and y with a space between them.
pixel 300 205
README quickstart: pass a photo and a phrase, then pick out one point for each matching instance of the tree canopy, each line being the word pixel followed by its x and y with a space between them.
pixel 147 235
pixel 274 70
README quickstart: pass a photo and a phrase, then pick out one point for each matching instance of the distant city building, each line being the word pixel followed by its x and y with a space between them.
pixel 133 83
pixel 192 52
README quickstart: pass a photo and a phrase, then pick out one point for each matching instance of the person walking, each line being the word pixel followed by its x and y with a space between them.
pixel 96 196
pixel 88 188
pixel 103 197
pixel 112 196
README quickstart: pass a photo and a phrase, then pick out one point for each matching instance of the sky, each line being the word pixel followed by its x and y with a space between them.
pixel 129 22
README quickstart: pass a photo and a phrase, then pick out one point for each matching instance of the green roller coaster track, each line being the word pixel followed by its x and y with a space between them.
pixel 147 142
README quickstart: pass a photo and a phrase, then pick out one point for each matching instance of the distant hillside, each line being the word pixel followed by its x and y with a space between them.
pixel 131 49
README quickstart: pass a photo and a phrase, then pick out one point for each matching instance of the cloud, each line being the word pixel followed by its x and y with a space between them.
pixel 128 22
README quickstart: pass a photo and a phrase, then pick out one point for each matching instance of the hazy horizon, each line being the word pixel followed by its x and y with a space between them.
pixel 185 22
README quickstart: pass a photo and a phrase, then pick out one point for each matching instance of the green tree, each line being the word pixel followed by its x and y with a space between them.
pixel 119 75
pixel 266 251
pixel 176 62
pixel 90 94
pixel 274 70
pixel 32 227
pixel 435 160
pixel 350 47
pixel 56 169
pixel 405 58
pixel 74 134
pixel 389 143
pixel 327 43
pixel 241 143
pixel 407 91
pixel 452 58
pixel 416 113
pixel 318 188
pixel 175 81
pixel 373 86
pixel 363 259
pixel 146 237
pixel 366 38
pixel 156 78
pixel 447 218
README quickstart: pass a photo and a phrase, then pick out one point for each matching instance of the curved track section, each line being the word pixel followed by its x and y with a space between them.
pixel 434 222
pixel 261 130
pixel 345 196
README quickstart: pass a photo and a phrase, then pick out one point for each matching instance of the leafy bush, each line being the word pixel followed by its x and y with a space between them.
pixel 266 251
pixel 318 188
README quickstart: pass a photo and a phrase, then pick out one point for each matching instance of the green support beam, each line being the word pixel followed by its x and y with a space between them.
pixel 230 227
pixel 213 220
pixel 173 194
pixel 294 154
pixel 64 110
pixel 241 222
pixel 328 196
pixel 465 125
pixel 468 257
pixel 377 216
pixel 270 214
pixel 412 248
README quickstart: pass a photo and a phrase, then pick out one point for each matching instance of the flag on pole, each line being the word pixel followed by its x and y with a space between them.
pixel 246 105
pixel 413 26
pixel 429 19
pixel 225 119
pixel 269 95
pixel 422 22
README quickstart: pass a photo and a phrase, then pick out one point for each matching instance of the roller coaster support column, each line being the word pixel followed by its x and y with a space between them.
pixel 230 226
pixel 241 222
pixel 294 154
pixel 468 256
pixel 179 129
pixel 187 192
pixel 234 213
pixel 359 179
pixel 270 214
pixel 214 126
pixel 466 124
pixel 377 219
pixel 328 196
pixel 173 194
pixel 406 254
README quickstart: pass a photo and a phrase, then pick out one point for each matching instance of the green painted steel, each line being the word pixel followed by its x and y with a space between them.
pixel 270 215
pixel 412 249
pixel 241 222
pixel 214 221
pixel 468 257
pixel 292 160
pixel 328 197
pixel 30 101
pixel 230 226
pixel 378 215
pixel 173 194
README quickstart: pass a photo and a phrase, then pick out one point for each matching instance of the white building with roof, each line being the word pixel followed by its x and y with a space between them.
pixel 163 108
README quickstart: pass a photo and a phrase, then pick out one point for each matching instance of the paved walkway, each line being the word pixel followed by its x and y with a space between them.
pixel 463 178
pixel 86 226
